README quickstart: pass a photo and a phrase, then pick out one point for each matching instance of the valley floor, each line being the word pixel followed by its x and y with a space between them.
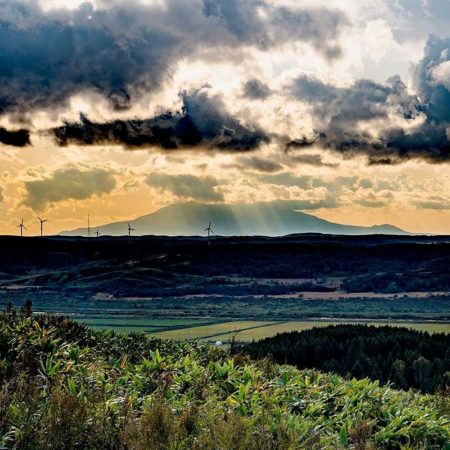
pixel 218 318
pixel 181 288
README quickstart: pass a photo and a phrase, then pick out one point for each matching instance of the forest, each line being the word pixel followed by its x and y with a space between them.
pixel 405 358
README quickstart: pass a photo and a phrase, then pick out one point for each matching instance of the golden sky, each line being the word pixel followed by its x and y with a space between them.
pixel 343 106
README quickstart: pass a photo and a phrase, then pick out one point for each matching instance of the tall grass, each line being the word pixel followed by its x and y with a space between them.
pixel 64 386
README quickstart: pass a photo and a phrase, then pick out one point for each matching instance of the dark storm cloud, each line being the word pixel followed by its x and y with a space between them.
pixel 339 111
pixel 433 92
pixel 66 184
pixel 203 122
pixel 258 23
pixel 256 90
pixel 305 142
pixel 18 138
pixel 125 47
pixel 45 58
pixel 343 108
pixel 186 186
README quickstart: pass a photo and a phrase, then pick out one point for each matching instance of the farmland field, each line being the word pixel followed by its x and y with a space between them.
pixel 245 331
pixel 254 330
pixel 148 325
pixel 211 331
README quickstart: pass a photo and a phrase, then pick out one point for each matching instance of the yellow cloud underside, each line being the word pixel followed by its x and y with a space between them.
pixel 400 187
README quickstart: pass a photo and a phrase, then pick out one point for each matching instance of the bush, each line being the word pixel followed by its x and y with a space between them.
pixel 68 387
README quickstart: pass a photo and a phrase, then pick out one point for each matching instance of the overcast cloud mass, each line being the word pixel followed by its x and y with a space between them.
pixel 202 122
pixel 124 48
pixel 126 106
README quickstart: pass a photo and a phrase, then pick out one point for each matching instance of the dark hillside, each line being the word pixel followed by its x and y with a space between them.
pixel 369 263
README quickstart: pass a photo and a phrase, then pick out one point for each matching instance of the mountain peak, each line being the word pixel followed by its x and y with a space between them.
pixel 275 218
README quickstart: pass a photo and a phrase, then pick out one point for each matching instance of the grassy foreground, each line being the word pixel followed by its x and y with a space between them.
pixel 64 386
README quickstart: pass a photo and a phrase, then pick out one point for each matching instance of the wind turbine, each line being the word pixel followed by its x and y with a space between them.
pixel 210 231
pixel 89 226
pixel 42 221
pixel 130 229
pixel 22 227
pixel 98 232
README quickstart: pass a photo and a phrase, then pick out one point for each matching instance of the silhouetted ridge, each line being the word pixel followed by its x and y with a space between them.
pixel 271 219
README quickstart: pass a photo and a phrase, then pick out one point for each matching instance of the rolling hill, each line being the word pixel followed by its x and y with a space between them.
pixel 268 219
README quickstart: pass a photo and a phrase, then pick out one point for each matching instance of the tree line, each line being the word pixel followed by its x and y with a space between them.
pixel 403 357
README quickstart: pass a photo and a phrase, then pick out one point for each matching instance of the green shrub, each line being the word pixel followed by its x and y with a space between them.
pixel 67 387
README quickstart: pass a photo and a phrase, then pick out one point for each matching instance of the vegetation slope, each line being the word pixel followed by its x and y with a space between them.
pixel 64 386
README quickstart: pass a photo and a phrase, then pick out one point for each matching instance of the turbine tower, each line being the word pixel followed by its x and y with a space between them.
pixel 210 231
pixel 98 232
pixel 89 226
pixel 130 229
pixel 22 227
pixel 42 221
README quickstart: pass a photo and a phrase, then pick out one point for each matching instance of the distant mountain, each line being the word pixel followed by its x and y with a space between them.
pixel 277 218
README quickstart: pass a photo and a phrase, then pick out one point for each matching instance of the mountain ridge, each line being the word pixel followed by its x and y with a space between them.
pixel 277 218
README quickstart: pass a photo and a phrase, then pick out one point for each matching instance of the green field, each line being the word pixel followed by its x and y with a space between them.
pixel 254 330
pixel 148 325
pixel 211 330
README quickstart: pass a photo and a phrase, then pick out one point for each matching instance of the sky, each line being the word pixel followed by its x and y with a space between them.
pixel 117 108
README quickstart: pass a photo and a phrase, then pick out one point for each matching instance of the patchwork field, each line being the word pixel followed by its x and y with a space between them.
pixel 142 324
pixel 244 331
pixel 272 330
pixel 210 332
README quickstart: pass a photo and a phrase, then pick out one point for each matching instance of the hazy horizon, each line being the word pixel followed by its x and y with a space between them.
pixel 117 109
pixel 271 219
